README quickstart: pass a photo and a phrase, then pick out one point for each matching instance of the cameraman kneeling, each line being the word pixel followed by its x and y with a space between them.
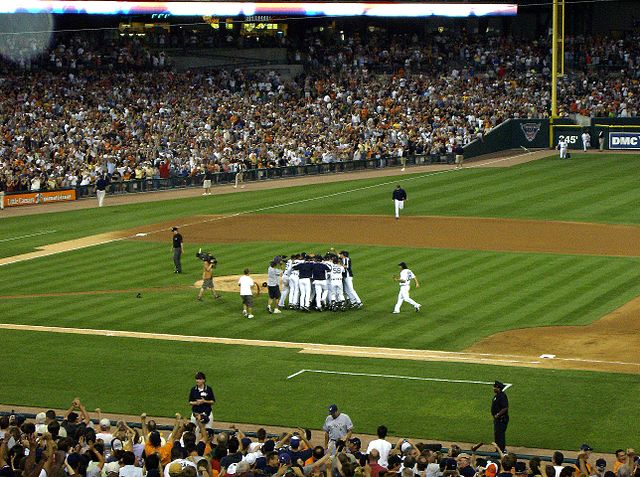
pixel 207 278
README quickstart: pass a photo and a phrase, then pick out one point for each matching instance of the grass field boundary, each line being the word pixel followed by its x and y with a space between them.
pixel 395 376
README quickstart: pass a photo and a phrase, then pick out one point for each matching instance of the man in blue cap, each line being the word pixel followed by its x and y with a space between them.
pixel 337 427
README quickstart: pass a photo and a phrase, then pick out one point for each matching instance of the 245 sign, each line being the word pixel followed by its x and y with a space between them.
pixel 570 138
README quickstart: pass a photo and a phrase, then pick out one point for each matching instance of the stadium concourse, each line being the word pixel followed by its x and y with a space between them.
pixel 409 455
pixel 90 106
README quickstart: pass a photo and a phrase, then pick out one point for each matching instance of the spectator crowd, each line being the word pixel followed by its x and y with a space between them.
pixel 76 446
pixel 86 108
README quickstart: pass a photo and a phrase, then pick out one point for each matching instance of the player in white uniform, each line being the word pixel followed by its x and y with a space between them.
pixel 294 283
pixel 353 297
pixel 404 280
pixel 586 141
pixel 562 147
pixel 336 292
pixel 285 283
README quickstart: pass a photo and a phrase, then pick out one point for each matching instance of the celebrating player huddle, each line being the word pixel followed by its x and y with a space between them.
pixel 321 282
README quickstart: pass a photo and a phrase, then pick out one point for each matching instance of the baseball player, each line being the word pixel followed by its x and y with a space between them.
pixel 562 147
pixel 399 196
pixel 404 280
pixel 304 282
pixel 336 292
pixel 347 277
pixel 240 175
pixel 319 275
pixel 586 141
pixel 294 282
pixel 285 282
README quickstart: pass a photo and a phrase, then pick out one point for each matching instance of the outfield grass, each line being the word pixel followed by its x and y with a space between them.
pixel 133 376
pixel 467 295
pixel 596 188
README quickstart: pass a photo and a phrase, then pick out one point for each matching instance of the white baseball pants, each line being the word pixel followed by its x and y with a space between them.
pixel 320 287
pixel 294 290
pixel 350 291
pixel 336 292
pixel 284 292
pixel 399 206
pixel 100 195
pixel 403 296
pixel 305 291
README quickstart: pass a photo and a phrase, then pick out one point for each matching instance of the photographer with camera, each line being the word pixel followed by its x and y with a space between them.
pixel 201 400
pixel 209 263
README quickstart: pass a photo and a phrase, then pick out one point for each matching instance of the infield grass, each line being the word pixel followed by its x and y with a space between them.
pixel 466 295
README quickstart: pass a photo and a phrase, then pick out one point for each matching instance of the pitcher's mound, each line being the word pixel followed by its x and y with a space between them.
pixel 229 283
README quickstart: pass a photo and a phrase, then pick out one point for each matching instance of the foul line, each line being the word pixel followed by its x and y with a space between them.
pixel 44 232
pixel 328 349
pixel 394 376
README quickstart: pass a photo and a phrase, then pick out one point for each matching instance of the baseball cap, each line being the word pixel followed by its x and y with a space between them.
pixel 601 463
pixel 463 455
pixel 491 470
pixel 268 446
pixel 498 384
pixel 586 447
pixel 245 441
pixel 231 470
pixel 294 442
pixel 356 441
pixel 405 446
pixel 104 422
pixel 173 229
pixel 284 458
pixel 402 264
pixel 333 408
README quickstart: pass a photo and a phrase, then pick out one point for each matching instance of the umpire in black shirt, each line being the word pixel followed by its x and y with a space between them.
pixel 177 249
pixel 500 413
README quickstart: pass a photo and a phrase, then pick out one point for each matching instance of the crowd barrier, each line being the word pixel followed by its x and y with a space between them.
pixel 252 175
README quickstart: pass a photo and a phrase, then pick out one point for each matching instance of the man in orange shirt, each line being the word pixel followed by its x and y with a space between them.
pixel 154 443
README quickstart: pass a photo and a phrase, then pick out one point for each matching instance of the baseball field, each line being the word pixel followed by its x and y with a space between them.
pixel 530 275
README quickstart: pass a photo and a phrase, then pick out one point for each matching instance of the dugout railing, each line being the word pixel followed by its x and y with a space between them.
pixel 432 446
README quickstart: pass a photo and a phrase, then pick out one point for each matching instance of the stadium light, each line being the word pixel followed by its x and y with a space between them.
pixel 339 9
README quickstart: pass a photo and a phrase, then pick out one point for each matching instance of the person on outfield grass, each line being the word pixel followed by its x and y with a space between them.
pixel 246 285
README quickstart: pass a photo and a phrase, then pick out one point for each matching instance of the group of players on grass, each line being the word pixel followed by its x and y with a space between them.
pixel 312 281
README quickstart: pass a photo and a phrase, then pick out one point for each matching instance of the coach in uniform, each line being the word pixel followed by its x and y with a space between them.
pixel 177 249
pixel 201 399
pixel 399 196
pixel 500 413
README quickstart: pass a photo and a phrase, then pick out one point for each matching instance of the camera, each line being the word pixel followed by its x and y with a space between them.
pixel 206 257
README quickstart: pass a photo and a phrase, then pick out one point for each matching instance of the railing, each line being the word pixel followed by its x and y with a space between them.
pixel 258 175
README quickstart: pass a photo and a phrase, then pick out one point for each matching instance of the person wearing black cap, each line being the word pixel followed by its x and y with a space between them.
pixel 177 249
pixel 500 413
pixel 404 279
pixel 337 426
pixel 399 196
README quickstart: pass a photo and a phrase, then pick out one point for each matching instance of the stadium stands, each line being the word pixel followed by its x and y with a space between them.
pixel 86 107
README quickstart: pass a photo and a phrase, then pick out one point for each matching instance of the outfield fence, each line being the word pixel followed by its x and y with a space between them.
pixel 253 175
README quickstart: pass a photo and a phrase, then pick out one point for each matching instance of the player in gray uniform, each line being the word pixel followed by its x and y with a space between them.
pixel 336 291
pixel 354 299
pixel 285 283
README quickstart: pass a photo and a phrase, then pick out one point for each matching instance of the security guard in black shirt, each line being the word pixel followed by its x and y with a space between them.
pixel 500 413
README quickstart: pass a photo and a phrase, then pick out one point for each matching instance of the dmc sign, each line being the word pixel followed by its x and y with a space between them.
pixel 624 140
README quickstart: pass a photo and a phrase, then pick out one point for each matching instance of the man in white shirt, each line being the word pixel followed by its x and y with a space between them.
pixel 382 445
pixel 586 141
pixel 246 285
pixel 404 280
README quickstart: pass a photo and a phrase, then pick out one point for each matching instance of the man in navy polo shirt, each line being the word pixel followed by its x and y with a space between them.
pixel 201 399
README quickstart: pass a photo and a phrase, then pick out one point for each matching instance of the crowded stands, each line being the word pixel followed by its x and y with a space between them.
pixel 84 107
pixel 75 445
